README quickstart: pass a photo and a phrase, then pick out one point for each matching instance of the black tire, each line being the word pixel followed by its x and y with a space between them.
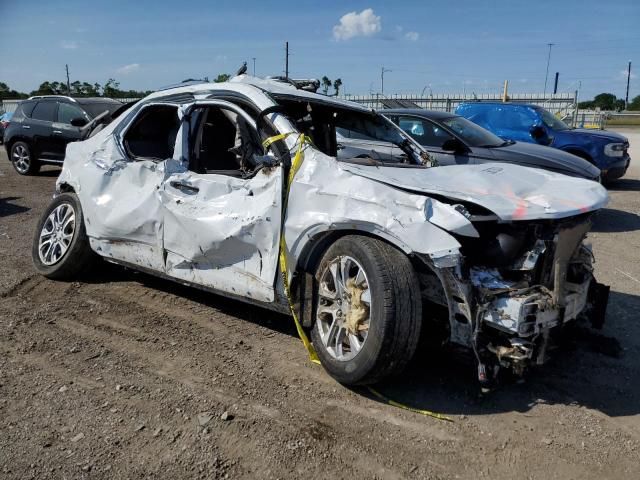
pixel 78 256
pixel 23 160
pixel 395 312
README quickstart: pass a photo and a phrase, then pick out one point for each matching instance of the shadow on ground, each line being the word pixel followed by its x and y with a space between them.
pixel 610 220
pixel 8 208
pixel 110 273
pixel 593 369
pixel 624 185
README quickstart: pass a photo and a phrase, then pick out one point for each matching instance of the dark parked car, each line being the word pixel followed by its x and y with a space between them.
pixel 4 123
pixel 42 127
pixel 533 124
pixel 452 139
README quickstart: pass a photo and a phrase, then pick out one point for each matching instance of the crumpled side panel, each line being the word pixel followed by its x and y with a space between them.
pixel 119 200
pixel 225 235
pixel 325 196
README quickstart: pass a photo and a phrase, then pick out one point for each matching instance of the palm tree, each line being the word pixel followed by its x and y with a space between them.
pixel 337 83
pixel 326 84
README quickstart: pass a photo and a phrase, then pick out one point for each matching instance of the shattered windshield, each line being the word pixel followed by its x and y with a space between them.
pixel 321 121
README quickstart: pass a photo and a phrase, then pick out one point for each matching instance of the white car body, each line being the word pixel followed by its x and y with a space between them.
pixel 222 233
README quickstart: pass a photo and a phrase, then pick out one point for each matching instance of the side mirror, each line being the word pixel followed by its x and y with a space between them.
pixel 537 132
pixel 454 145
pixel 78 122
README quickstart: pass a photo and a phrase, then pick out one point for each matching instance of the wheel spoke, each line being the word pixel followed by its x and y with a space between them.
pixel 56 252
pixel 324 292
pixel 366 296
pixel 344 272
pixel 332 332
pixel 342 288
pixel 334 269
pixel 354 343
pixel 327 309
pixel 338 343
pixel 47 252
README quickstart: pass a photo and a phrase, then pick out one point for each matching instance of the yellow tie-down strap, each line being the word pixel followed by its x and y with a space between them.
pixel 295 166
pixel 313 356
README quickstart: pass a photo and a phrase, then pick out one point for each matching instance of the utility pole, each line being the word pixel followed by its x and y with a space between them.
pixel 66 66
pixel 286 60
pixel 254 66
pixel 546 76
pixel 555 85
pixel 382 72
pixel 626 98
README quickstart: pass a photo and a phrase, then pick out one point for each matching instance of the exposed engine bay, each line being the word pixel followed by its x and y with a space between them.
pixel 517 286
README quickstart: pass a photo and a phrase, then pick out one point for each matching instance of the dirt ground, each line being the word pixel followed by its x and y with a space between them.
pixel 127 376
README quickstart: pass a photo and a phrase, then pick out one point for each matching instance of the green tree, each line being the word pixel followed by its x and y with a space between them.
pixel 111 89
pixel 51 88
pixel 223 77
pixel 634 104
pixel 606 101
pixel 326 84
pixel 337 83
pixel 6 92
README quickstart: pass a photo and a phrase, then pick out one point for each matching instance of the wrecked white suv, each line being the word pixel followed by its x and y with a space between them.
pixel 196 184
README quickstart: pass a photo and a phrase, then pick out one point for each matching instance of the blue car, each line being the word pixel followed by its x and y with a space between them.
pixel 530 123
pixel 4 123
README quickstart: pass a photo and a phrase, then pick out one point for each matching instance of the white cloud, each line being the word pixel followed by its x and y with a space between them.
pixel 413 36
pixel 363 24
pixel 69 45
pixel 127 69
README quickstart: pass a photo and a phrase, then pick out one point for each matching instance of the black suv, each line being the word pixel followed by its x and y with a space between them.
pixel 42 126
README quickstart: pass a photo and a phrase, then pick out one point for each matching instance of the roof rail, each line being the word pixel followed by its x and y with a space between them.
pixel 35 97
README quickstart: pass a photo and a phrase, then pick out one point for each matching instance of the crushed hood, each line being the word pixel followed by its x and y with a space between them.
pixel 511 192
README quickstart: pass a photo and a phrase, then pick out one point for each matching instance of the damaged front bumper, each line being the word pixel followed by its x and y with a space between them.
pixel 510 315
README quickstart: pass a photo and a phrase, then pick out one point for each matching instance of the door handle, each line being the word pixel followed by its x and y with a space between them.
pixel 26 126
pixel 58 132
pixel 185 187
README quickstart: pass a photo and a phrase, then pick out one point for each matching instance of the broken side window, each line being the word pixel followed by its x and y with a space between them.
pixel 152 134
pixel 324 123
pixel 224 143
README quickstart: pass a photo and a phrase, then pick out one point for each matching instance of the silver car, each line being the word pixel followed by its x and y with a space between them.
pixel 236 188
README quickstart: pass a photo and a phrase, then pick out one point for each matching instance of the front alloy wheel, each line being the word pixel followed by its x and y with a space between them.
pixel 368 310
pixel 344 308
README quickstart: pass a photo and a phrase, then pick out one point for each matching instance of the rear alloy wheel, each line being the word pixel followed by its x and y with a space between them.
pixel 367 310
pixel 22 160
pixel 60 246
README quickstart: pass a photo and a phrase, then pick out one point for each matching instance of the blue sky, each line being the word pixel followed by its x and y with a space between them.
pixel 453 46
